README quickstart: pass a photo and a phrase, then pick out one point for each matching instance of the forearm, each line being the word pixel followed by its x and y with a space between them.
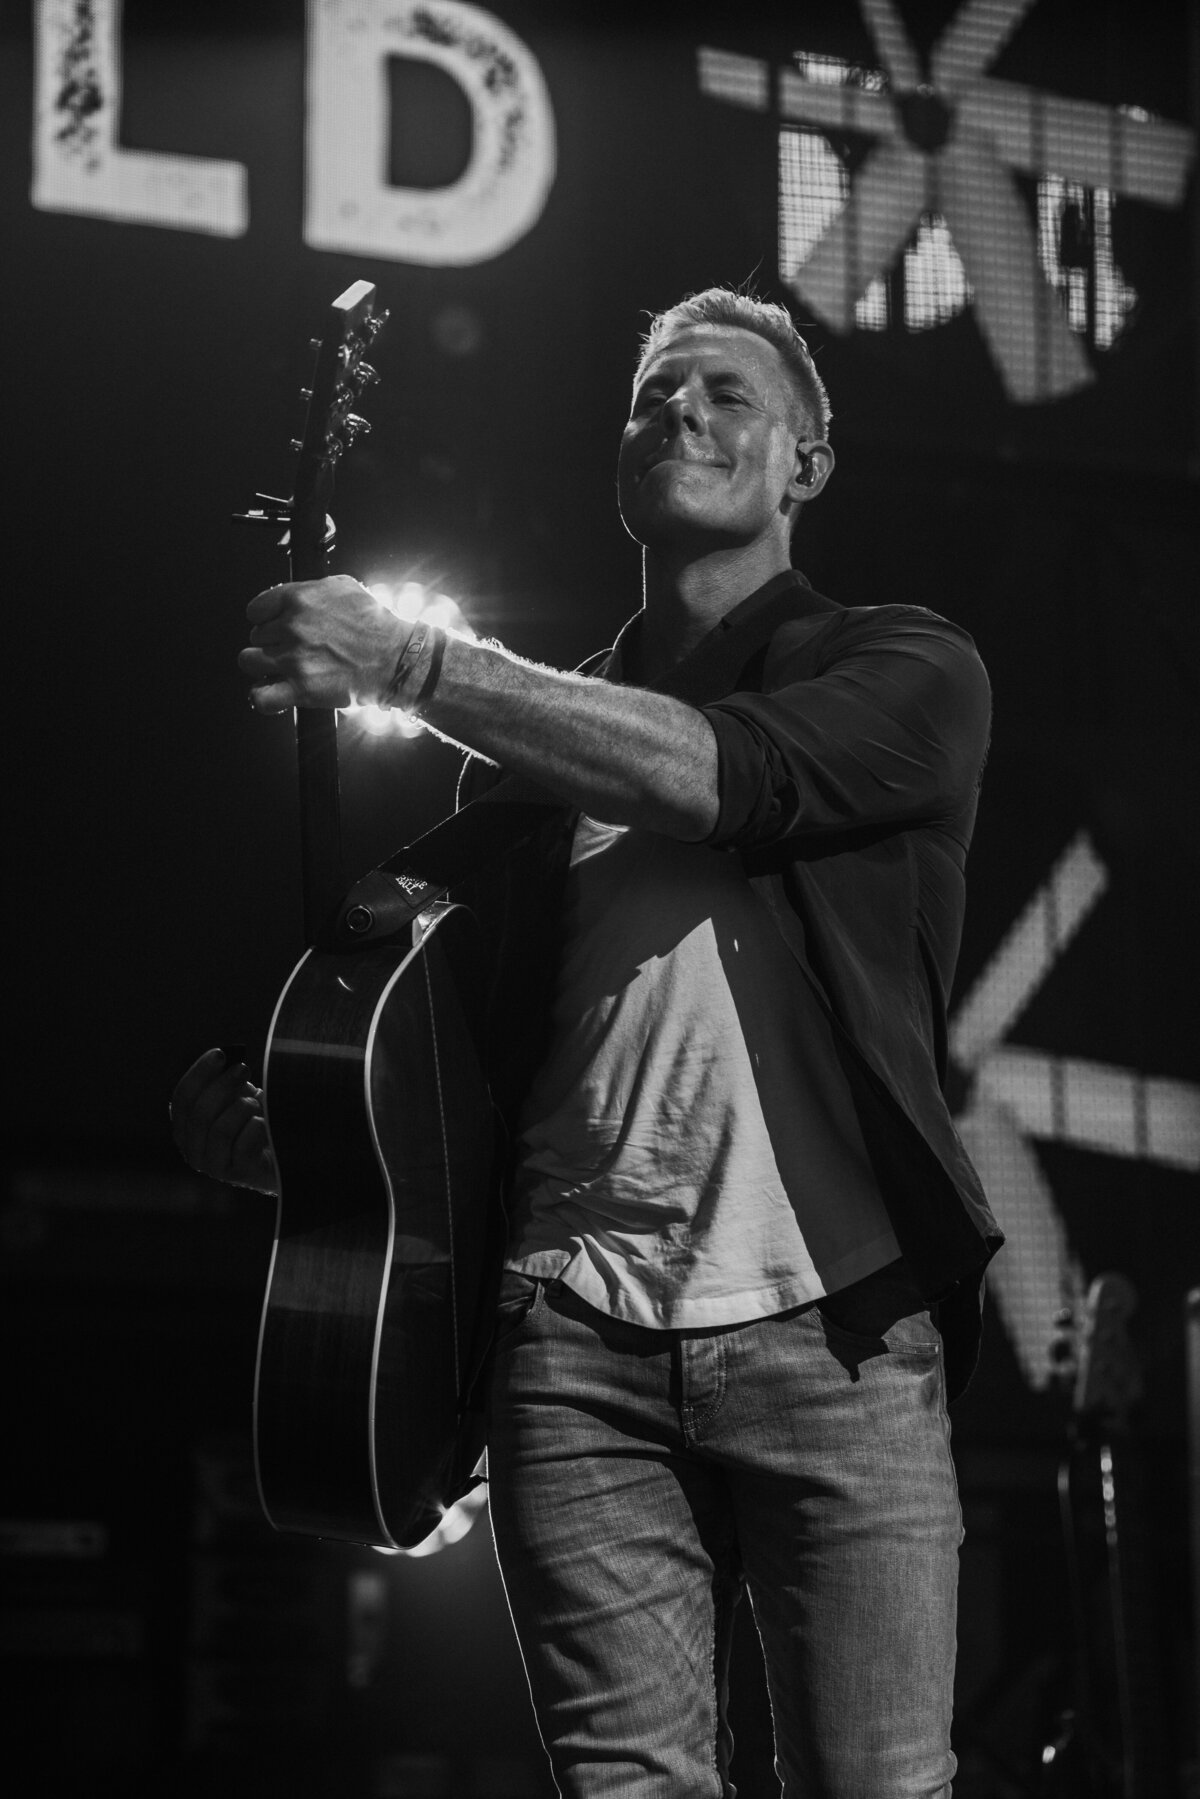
pixel 620 754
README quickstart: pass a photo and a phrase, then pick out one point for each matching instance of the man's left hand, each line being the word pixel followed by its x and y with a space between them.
pixel 320 643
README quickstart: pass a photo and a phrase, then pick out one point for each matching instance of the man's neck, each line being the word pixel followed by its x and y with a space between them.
pixel 683 603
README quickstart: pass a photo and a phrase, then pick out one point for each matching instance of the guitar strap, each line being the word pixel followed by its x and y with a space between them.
pixel 383 902
pixel 387 899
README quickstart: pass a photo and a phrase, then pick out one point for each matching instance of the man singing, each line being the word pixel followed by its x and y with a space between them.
pixel 746 1243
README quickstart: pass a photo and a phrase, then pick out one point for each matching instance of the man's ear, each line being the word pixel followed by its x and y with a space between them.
pixel 813 467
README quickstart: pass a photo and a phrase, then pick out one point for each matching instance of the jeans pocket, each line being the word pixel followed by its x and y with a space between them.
pixel 520 1295
pixel 883 1314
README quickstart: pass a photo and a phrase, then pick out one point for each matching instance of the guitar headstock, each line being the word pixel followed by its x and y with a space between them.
pixel 341 376
pixel 1108 1382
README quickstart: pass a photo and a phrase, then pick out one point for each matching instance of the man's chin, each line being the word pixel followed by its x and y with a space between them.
pixel 669 530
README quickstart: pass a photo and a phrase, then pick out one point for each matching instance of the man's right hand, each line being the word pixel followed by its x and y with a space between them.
pixel 218 1125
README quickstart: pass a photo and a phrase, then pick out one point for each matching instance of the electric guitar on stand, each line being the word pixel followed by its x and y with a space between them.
pixel 1113 1742
pixel 381 1125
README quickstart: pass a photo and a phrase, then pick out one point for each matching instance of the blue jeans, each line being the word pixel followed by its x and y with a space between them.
pixel 639 1478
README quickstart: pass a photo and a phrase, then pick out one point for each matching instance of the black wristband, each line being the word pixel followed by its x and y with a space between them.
pixel 406 661
pixel 432 674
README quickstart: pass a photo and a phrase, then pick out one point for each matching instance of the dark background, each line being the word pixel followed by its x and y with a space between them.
pixel 150 380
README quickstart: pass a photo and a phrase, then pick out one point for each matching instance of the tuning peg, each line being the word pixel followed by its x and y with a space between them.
pixel 306 394
pixel 257 515
pixel 353 425
pixel 366 375
pixel 273 511
pixel 297 444
pixel 375 323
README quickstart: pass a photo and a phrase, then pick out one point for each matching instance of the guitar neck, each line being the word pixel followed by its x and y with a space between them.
pixel 339 378
pixel 316 754
pixel 321 873
pixel 1138 1662
pixel 1118 1643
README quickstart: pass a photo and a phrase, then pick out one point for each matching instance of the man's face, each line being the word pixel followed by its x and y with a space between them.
pixel 710 448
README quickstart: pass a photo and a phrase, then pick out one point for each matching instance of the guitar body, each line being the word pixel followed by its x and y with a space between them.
pixel 382 1128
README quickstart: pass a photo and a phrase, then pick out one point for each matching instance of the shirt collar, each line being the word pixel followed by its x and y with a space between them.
pixel 723 650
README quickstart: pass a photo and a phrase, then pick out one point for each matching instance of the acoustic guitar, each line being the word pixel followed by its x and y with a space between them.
pixel 381 1124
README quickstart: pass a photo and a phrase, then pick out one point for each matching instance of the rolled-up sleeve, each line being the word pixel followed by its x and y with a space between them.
pixel 891 730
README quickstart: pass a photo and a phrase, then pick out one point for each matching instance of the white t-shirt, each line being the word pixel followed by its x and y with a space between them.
pixel 690 1154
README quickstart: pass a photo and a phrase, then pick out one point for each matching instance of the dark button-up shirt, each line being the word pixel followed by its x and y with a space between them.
pixel 850 742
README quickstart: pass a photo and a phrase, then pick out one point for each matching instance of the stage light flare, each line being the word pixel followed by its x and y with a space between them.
pixel 413 602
